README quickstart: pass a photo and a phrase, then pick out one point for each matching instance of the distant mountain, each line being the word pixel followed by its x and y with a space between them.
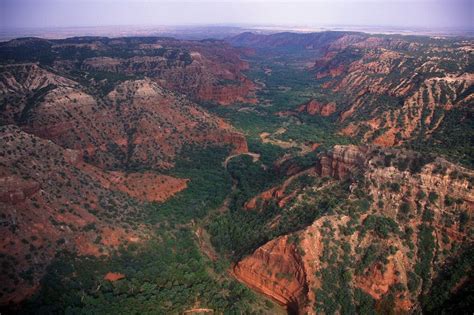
pixel 287 40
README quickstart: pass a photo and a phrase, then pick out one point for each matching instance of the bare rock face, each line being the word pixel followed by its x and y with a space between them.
pixel 144 186
pixel 21 85
pixel 137 123
pixel 14 189
pixel 392 96
pixel 34 78
pixel 276 269
pixel 342 161
pixel 208 71
pixel 285 268
pixel 68 146
pixel 236 140
pixel 277 193
pixel 314 107
pixel 114 276
pixel 413 200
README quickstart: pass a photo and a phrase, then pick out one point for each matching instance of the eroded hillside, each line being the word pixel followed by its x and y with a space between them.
pixel 322 173
pixel 136 124
pixel 402 223
pixel 400 90
pixel 205 70
pixel 82 158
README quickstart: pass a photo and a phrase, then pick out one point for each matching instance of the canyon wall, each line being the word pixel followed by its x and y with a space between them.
pixel 408 202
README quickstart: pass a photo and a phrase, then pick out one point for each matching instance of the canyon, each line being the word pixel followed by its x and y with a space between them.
pixel 306 173
pixel 290 268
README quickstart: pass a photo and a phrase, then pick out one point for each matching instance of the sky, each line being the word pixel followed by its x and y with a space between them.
pixel 436 14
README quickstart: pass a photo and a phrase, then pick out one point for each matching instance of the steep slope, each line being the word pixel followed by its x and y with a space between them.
pixel 389 90
pixel 138 124
pixel 88 127
pixel 80 157
pixel 22 85
pixel 396 90
pixel 204 70
pixel 406 220
pixel 50 200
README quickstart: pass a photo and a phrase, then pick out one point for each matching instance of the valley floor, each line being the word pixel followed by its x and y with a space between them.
pixel 293 200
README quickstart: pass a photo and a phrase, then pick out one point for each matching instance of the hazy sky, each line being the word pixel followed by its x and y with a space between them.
pixel 419 13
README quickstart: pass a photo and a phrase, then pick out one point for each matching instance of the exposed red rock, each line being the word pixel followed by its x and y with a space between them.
pixel 275 270
pixel 278 193
pixel 114 276
pixel 49 202
pixel 314 107
pixel 380 278
pixel 143 124
pixel 62 184
pixel 207 70
pixel 301 260
pixel 143 186
pixel 396 88
pixel 341 161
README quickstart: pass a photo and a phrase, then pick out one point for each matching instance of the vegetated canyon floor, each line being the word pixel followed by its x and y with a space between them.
pixel 311 173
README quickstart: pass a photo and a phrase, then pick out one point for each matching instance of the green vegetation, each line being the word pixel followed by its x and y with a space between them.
pixel 336 294
pixel 250 177
pixel 32 101
pixel 161 276
pixel 209 185
pixel 287 85
pixel 168 273
pixel 426 245
pixel 440 299
pixel 450 139
pixel 382 226
pixel 433 197
pixel 238 232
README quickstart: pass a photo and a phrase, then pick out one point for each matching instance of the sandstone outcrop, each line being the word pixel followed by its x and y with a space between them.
pixel 276 270
pixel 73 132
pixel 397 89
pixel 314 107
pixel 402 187
pixel 137 123
pixel 342 161
pixel 278 193
pixel 114 276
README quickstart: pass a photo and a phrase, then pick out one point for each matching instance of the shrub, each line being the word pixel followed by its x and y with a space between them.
pixel 405 208
pixel 448 201
pixel 395 187
pixel 432 197
pixel 383 226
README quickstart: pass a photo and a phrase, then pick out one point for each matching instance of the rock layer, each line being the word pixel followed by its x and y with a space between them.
pixel 276 270
pixel 289 268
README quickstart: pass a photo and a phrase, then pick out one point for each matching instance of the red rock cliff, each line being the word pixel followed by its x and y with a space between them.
pixel 276 270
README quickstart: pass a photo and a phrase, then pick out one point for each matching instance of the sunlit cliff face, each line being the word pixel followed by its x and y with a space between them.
pixel 310 173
